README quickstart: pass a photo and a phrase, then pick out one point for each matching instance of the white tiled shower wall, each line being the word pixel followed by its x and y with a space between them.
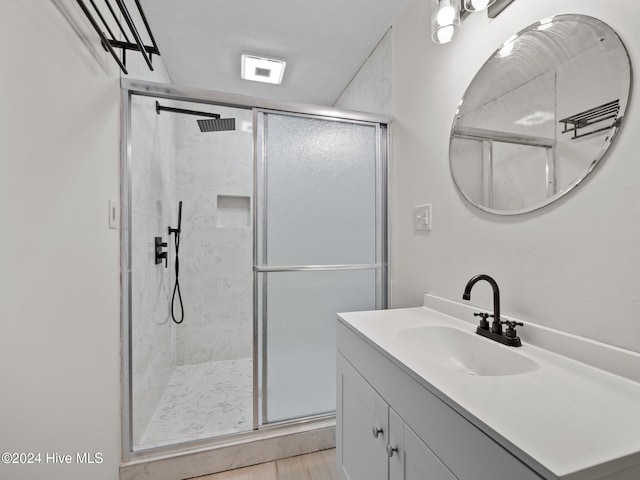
pixel 215 253
pixel 153 209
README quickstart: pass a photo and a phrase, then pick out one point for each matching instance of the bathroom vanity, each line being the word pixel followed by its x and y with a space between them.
pixel 420 396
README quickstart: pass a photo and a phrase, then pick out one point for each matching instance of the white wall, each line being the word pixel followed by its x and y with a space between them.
pixel 572 265
pixel 370 88
pixel 59 287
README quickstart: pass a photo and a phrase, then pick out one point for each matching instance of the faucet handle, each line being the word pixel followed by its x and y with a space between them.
pixel 484 324
pixel 511 324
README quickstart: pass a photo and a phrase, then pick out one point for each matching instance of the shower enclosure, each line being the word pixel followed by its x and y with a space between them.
pixel 282 226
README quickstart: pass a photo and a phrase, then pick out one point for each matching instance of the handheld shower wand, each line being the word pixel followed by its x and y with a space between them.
pixel 176 287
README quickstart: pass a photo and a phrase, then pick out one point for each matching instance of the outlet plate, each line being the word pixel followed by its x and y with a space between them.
pixel 422 218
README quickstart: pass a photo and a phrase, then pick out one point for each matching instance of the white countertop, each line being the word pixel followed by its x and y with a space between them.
pixel 577 421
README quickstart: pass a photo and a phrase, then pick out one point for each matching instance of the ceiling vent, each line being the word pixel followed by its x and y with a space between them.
pixel 262 69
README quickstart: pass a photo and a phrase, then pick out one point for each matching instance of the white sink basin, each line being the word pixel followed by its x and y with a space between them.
pixel 463 352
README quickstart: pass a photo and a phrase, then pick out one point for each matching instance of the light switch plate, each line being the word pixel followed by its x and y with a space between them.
pixel 422 218
pixel 113 214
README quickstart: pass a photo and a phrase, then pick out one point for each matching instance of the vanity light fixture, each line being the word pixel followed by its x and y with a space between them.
pixel 262 69
pixel 445 15
pixel 477 5
pixel 445 20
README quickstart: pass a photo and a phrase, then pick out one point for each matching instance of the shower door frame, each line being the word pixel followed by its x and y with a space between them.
pixel 131 87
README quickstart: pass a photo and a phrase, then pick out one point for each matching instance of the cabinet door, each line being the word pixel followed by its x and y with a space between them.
pixel 360 454
pixel 412 460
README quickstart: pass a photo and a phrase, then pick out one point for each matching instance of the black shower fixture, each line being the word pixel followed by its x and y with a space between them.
pixel 176 288
pixel 217 124
pixel 212 124
pixel 161 254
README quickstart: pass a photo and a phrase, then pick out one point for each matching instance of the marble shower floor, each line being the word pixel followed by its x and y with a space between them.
pixel 202 401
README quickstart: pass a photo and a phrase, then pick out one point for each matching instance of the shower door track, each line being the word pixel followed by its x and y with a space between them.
pixel 142 88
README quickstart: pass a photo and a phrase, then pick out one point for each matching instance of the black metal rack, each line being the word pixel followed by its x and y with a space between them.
pixel 111 42
pixel 592 116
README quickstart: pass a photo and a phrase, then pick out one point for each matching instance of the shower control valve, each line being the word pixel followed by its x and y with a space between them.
pixel 160 255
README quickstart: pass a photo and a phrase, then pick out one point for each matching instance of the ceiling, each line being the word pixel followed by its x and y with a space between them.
pixel 324 42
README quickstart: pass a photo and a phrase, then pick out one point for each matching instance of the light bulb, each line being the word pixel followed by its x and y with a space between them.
pixel 445 34
pixel 477 5
pixel 446 15
pixel 445 20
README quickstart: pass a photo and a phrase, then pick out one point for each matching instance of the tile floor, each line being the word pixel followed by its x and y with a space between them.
pixel 313 466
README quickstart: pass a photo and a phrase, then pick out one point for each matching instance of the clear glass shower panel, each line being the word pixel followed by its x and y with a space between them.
pixel 150 211
pixel 319 191
pixel 299 334
pixel 191 373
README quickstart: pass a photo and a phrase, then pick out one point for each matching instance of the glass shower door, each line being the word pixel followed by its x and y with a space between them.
pixel 282 227
pixel 191 355
pixel 320 251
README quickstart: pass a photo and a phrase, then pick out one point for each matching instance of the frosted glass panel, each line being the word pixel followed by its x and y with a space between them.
pixel 300 337
pixel 320 196
pixel 320 191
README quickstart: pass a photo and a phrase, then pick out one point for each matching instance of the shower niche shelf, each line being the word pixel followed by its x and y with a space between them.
pixel 110 42
pixel 233 211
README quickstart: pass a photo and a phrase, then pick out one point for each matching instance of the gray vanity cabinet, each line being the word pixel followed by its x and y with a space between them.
pixel 433 441
pixel 374 443
pixel 363 414
pixel 412 460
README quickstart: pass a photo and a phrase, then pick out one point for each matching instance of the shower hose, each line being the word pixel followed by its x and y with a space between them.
pixel 176 287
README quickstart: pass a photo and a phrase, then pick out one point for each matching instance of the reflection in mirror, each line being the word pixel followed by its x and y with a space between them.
pixel 540 114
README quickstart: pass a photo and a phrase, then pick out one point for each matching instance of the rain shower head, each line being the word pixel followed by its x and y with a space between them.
pixel 217 124
pixel 212 124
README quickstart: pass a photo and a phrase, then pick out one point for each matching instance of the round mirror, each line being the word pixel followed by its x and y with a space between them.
pixel 540 114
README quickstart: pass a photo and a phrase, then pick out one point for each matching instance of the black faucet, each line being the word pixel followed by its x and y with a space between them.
pixel 495 333
pixel 495 326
